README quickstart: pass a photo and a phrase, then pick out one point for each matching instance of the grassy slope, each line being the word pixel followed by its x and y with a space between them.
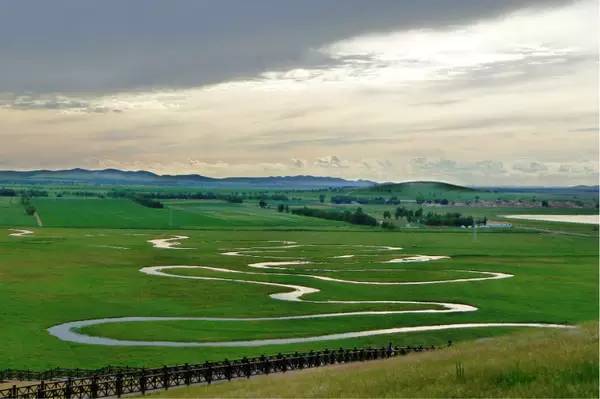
pixel 60 275
pixel 533 364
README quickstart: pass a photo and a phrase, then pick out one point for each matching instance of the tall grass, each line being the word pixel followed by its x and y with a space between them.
pixel 527 364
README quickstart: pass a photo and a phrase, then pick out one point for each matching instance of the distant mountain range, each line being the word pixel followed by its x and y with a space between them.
pixel 122 177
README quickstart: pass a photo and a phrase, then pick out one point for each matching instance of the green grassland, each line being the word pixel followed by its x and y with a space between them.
pixel 222 215
pixel 64 274
pixel 13 214
pixel 189 214
pixel 533 364
pixel 84 264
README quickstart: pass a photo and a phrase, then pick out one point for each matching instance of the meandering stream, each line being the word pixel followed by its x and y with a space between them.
pixel 71 331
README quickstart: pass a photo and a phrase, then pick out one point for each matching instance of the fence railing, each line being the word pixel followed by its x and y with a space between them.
pixel 143 380
pixel 61 373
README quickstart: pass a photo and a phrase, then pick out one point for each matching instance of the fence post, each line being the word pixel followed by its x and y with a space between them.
pixel 119 385
pixel 246 367
pixel 41 390
pixel 69 388
pixel 227 369
pixel 143 381
pixel 267 364
pixel 208 372
pixel 300 360
pixel 14 391
pixel 281 362
pixel 165 378
pixel 94 387
pixel 188 376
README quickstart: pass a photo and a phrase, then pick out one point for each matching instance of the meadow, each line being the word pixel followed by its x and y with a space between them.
pixel 93 259
pixel 59 275
pixel 124 213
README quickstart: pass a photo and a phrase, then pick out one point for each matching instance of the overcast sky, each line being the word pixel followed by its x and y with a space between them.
pixel 469 91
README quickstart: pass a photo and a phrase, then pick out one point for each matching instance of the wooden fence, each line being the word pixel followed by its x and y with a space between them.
pixel 61 373
pixel 142 380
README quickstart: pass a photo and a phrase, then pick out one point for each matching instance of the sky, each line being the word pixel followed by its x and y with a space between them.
pixel 478 92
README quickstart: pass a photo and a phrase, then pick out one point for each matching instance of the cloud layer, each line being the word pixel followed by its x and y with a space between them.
pixel 496 95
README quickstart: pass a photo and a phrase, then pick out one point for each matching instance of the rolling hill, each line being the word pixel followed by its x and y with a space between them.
pixel 416 187
pixel 121 177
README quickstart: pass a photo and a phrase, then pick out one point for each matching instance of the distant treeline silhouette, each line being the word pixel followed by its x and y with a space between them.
pixel 356 217
pixel 453 219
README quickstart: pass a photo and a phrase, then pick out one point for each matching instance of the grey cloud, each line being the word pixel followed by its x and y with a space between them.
pixel 298 163
pixel 565 169
pixel 530 167
pixel 330 161
pixel 514 73
pixel 52 102
pixel 594 129
pixel 455 168
pixel 74 46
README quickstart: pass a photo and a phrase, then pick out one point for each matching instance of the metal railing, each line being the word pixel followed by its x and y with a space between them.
pixel 129 381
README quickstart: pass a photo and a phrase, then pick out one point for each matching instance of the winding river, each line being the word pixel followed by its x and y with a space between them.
pixel 294 293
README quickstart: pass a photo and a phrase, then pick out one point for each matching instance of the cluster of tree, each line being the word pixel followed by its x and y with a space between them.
pixel 348 199
pixel 388 224
pixel 410 215
pixel 148 202
pixel 442 201
pixel 283 208
pixel 434 219
pixel 356 217
pixel 271 197
pixel 81 194
pixel 9 192
pixel 451 219
pixel 234 198
pixel 27 205
pixel 32 192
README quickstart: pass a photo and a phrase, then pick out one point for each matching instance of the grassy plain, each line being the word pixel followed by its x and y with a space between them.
pixel 12 213
pixel 84 264
pixel 59 275
pixel 124 213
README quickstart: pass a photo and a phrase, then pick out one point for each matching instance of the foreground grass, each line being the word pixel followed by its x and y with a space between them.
pixel 547 363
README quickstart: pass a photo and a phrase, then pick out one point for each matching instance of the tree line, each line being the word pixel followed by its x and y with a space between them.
pixel 453 219
pixel 148 202
pixel 349 199
pixel 356 217
pixel 229 197
pixel 9 192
